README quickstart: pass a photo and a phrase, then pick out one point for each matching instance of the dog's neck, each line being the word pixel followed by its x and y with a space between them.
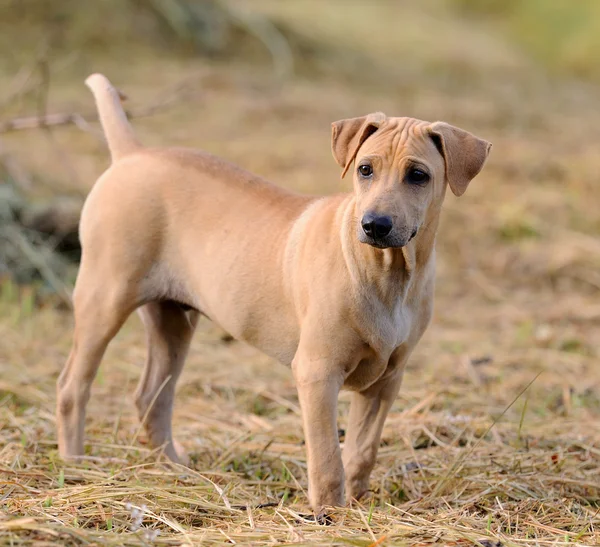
pixel 390 271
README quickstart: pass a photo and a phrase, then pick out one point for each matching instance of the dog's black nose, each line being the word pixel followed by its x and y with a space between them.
pixel 375 226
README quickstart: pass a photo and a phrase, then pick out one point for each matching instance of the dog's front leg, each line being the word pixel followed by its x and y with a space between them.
pixel 368 411
pixel 319 382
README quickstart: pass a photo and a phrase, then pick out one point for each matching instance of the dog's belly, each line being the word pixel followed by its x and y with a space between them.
pixel 277 342
pixel 275 334
pixel 274 338
pixel 271 328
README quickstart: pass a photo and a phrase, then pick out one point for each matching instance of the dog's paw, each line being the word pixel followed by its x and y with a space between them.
pixel 182 455
pixel 175 453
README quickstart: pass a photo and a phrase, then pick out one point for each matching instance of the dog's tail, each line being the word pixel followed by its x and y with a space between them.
pixel 119 133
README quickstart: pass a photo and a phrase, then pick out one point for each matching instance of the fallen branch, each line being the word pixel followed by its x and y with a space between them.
pixel 65 118
pixel 38 122
pixel 42 121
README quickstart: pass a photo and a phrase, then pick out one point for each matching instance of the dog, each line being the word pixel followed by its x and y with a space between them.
pixel 339 287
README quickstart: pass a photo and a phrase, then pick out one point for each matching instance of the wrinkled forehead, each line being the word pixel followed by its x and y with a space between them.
pixel 400 137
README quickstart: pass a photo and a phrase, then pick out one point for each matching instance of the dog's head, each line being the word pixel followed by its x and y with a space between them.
pixel 402 166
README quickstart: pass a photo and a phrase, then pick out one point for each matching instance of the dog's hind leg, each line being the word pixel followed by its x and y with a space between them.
pixel 99 314
pixel 169 332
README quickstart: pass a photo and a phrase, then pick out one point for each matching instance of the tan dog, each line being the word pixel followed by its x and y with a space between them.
pixel 339 287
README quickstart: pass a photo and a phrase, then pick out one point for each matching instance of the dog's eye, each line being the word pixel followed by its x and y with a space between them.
pixel 416 176
pixel 365 170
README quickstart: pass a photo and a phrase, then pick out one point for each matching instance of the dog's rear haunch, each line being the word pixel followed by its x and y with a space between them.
pixel 340 287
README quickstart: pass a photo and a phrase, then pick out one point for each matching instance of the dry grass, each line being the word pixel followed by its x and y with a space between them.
pixel 470 453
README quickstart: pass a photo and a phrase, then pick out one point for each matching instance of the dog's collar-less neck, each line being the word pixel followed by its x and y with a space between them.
pixel 386 270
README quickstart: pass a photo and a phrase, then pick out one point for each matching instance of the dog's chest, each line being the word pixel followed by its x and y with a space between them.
pixel 384 327
pixel 388 336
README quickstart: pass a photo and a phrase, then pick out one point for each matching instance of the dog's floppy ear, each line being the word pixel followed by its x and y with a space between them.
pixel 464 154
pixel 347 136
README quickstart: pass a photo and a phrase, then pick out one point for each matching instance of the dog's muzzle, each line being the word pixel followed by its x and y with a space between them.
pixel 377 231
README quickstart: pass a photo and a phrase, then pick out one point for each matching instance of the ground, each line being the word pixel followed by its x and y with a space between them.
pixel 495 436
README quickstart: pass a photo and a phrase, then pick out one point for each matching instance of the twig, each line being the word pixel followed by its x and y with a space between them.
pixel 42 103
pixel 24 82
pixel 19 85
pixel 44 92
pixel 38 122
pixel 79 120
pixel 257 506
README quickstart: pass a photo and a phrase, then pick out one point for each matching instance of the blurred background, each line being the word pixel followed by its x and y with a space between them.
pixel 259 82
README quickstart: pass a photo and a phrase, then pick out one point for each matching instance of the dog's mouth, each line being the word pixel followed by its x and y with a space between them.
pixel 388 242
